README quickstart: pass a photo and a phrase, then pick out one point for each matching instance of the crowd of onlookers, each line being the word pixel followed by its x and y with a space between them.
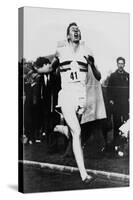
pixel 40 97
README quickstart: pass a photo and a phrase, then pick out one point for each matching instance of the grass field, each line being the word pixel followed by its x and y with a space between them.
pixel 41 180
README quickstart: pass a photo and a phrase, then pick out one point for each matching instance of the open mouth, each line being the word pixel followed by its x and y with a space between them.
pixel 76 35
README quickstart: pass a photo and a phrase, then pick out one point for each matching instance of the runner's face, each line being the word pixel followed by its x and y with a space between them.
pixel 74 34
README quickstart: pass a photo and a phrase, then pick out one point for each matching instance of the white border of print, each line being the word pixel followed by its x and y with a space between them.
pixel 9 105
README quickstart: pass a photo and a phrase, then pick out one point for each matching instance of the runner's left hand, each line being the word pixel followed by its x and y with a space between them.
pixel 91 60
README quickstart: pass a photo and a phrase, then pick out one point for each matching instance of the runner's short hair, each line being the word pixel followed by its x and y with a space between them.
pixel 71 24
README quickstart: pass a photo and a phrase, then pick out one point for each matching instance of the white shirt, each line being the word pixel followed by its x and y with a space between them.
pixel 73 65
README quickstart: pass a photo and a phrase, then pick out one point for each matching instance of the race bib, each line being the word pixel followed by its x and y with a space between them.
pixel 74 73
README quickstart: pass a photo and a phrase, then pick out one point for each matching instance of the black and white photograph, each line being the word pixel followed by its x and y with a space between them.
pixel 74 117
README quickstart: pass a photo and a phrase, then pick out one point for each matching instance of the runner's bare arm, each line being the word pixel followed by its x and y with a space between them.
pixel 95 71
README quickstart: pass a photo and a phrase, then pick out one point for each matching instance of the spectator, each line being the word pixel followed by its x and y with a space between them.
pixel 50 85
pixel 32 105
pixel 118 96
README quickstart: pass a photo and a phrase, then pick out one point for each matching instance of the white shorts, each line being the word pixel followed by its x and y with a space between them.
pixel 74 97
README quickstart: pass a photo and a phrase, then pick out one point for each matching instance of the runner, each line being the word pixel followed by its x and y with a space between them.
pixel 79 76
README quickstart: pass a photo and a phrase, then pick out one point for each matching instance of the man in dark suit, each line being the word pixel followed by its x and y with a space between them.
pixel 50 85
pixel 118 96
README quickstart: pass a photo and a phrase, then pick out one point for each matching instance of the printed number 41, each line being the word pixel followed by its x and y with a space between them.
pixel 73 75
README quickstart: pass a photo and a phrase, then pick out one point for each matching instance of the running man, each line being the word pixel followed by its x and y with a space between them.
pixel 77 67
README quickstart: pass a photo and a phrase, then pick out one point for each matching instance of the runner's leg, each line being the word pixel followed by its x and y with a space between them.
pixel 70 116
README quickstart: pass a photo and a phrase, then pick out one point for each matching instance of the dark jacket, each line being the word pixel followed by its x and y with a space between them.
pixel 118 86
pixel 118 91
